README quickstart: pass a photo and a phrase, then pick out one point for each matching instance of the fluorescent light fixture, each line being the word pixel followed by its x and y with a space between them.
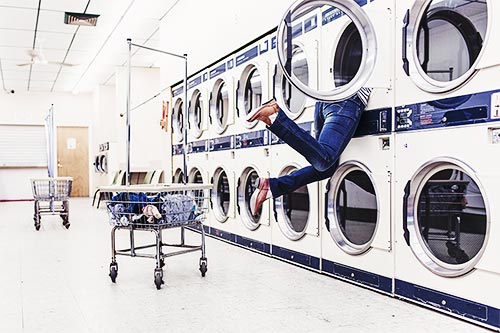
pixel 80 19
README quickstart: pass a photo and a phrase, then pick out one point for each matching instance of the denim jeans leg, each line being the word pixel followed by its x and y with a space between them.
pixel 339 122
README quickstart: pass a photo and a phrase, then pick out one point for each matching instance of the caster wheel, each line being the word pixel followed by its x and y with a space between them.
pixel 113 272
pixel 37 227
pixel 67 224
pixel 158 278
pixel 203 268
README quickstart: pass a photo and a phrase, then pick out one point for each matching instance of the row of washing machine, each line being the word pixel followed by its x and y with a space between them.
pixel 411 209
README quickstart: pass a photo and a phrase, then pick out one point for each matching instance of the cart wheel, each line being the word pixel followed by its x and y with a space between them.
pixel 113 271
pixel 203 267
pixel 66 224
pixel 37 227
pixel 159 278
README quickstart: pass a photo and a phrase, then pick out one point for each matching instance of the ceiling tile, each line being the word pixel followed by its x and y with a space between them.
pixel 20 38
pixel 43 76
pixel 16 75
pixel 19 3
pixel 55 41
pixel 77 6
pixel 17 18
pixel 54 21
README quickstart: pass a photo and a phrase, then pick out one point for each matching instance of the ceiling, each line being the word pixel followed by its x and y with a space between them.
pixel 93 52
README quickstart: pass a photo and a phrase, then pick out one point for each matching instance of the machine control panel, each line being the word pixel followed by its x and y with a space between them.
pixel 460 110
pixel 308 127
pixel 200 146
pixel 221 143
pixel 375 122
pixel 252 139
pixel 177 149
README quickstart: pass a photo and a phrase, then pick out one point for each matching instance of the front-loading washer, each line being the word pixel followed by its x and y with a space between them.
pixel 252 161
pixel 356 235
pixel 252 81
pixel 446 236
pixel 222 197
pixel 295 229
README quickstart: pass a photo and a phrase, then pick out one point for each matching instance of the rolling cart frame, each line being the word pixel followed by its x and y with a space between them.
pixel 51 198
pixel 197 194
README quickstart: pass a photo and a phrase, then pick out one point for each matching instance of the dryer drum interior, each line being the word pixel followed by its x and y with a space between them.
pixel 220 105
pixel 451 220
pixel 250 90
pixel 221 195
pixel 352 209
pixel 178 119
pixel 449 37
pixel 195 114
pixel 178 176
pixel 247 185
pixel 292 210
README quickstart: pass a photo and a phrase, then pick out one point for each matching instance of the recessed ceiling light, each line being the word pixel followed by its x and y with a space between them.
pixel 80 19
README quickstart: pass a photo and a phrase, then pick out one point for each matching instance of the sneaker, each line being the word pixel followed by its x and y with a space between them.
pixel 261 194
pixel 263 112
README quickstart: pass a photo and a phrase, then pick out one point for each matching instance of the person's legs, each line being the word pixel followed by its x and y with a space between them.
pixel 336 124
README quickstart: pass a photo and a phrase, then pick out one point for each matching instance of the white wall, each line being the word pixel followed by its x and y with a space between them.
pixel 149 144
pixel 31 108
pixel 209 30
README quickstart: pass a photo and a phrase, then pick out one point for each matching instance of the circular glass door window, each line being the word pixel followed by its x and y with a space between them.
pixel 220 105
pixel 178 120
pixel 449 37
pixel 351 69
pixel 178 176
pixel 294 99
pixel 248 184
pixel 221 195
pixel 195 114
pixel 249 92
pixel 293 210
pixel 352 209
pixel 196 178
pixel 449 217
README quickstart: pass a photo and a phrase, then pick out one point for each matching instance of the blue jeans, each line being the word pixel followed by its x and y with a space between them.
pixel 335 124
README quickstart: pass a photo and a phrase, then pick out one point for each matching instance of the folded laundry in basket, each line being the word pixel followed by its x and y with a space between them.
pixel 151 212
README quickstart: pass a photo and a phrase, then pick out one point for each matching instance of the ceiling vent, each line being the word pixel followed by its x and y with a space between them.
pixel 80 19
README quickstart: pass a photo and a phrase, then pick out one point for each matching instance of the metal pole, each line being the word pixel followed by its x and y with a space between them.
pixel 127 175
pixel 185 121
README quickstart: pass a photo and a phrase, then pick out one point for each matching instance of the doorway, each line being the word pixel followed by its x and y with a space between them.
pixel 73 158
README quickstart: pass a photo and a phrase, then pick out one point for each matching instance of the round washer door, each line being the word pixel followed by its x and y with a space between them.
pixel 178 120
pixel 348 47
pixel 352 208
pixel 247 184
pixel 221 195
pixel 292 210
pixel 444 42
pixel 447 217
pixel 196 117
pixel 249 93
pixel 196 177
pixel 178 176
pixel 219 106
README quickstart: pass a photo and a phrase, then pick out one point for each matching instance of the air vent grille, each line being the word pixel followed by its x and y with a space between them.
pixel 80 19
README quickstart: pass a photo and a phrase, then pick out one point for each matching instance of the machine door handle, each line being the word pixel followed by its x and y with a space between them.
pixel 404 46
pixel 406 232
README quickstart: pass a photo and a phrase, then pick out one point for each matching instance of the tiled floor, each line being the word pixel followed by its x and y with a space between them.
pixel 56 280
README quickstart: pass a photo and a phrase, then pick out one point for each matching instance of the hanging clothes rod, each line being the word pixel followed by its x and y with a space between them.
pixel 184 144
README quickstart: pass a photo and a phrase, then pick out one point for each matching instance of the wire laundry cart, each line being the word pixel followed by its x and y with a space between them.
pixel 51 198
pixel 154 208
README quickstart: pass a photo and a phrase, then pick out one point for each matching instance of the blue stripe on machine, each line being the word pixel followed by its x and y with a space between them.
pixel 273 42
pixel 311 23
pixel 297 30
pixel 307 126
pixel 379 282
pixel 296 257
pixel 223 235
pixel 217 70
pixel 333 13
pixel 230 64
pixel 221 143
pixel 177 91
pixel 253 244
pixel 264 46
pixel 454 305
pixel 177 149
pixel 200 146
pixel 252 139
pixel 205 76
pixel 245 56
pixel 194 82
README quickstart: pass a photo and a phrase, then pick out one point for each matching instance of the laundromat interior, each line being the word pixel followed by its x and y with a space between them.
pixel 130 160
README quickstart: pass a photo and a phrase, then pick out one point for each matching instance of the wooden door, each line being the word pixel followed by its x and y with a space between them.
pixel 73 158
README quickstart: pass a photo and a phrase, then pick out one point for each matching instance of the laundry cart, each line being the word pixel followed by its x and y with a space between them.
pixel 51 198
pixel 441 207
pixel 154 208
